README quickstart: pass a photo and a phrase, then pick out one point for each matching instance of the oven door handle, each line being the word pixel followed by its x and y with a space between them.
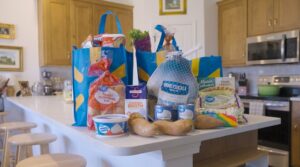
pixel 275 105
pixel 270 150
pixel 283 47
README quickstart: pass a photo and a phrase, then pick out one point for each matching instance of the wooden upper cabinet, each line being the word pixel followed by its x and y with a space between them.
pixel 260 17
pixel 268 16
pixel 286 15
pixel 54 32
pixel 63 23
pixel 126 23
pixel 232 32
pixel 98 11
pixel 81 21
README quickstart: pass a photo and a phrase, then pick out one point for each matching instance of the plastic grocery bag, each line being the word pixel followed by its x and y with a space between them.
pixel 148 61
pixel 81 61
pixel 107 92
pixel 173 82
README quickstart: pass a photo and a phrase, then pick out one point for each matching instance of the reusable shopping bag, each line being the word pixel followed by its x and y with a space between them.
pixel 82 60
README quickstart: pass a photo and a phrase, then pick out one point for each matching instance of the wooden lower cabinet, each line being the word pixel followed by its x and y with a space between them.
pixel 230 151
pixel 64 23
pixel 233 32
pixel 295 145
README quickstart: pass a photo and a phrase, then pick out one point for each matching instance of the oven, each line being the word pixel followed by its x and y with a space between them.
pixel 275 140
pixel 273 48
pixel 278 136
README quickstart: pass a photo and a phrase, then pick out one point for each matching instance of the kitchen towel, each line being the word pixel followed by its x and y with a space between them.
pixel 256 108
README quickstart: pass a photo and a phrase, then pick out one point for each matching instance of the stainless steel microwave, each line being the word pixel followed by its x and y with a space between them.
pixel 273 48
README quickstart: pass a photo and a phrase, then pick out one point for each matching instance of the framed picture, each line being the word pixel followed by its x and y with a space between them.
pixel 7 31
pixel 11 58
pixel 172 7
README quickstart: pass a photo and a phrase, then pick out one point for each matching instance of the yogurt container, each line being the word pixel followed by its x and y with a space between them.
pixel 111 125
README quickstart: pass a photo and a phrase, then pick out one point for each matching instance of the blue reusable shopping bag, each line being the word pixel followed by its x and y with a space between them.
pixel 210 67
pixel 81 61
pixel 147 62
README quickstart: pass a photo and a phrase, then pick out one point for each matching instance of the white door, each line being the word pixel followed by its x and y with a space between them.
pixel 185 35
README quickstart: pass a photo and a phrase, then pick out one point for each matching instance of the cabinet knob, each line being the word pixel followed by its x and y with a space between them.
pixel 270 23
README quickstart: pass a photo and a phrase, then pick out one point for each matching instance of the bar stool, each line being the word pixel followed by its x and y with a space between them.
pixel 24 143
pixel 10 127
pixel 2 115
pixel 54 160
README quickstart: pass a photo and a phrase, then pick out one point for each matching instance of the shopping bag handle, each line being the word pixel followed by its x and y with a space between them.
pixel 101 28
pixel 161 29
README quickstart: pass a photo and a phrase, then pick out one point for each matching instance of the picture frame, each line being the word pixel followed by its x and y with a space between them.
pixel 7 31
pixel 172 7
pixel 11 58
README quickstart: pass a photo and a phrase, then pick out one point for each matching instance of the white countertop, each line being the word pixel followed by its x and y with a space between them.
pixel 58 113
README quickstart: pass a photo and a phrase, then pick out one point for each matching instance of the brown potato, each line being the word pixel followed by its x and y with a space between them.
pixel 140 126
pixel 177 128
pixel 207 122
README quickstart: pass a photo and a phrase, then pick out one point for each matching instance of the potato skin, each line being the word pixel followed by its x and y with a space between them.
pixel 140 126
pixel 177 128
pixel 207 122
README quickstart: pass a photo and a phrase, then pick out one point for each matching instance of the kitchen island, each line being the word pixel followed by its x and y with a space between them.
pixel 55 116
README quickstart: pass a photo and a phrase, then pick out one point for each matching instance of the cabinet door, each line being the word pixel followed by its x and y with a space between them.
pixel 233 32
pixel 260 17
pixel 98 11
pixel 81 21
pixel 56 31
pixel 286 15
pixel 126 19
pixel 295 148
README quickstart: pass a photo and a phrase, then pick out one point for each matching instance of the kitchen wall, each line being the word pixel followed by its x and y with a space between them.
pixel 253 72
pixel 202 13
pixel 24 15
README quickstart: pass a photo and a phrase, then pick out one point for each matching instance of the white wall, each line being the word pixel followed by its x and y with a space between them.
pixel 23 13
pixel 204 12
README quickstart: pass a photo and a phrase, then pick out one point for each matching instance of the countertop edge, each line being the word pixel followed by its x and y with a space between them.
pixel 176 141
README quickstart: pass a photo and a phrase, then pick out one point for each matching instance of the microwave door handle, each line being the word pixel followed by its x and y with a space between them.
pixel 283 47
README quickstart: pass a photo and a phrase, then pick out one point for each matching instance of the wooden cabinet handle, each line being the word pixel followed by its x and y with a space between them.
pixel 275 21
pixel 296 127
pixel 270 23
pixel 68 55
